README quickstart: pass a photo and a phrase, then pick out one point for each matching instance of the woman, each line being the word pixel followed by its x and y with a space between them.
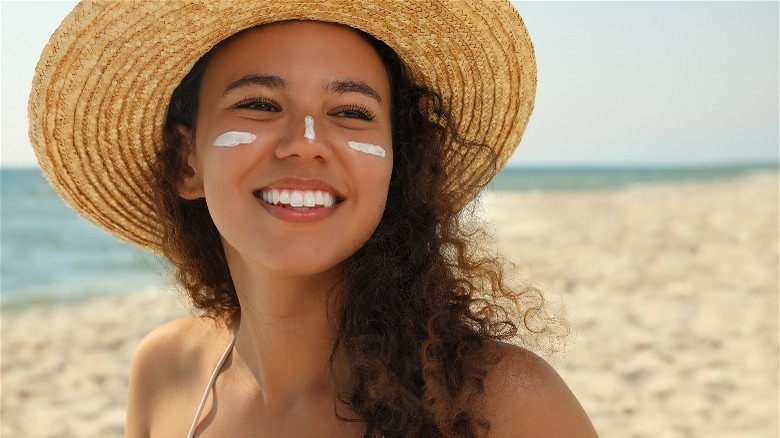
pixel 306 185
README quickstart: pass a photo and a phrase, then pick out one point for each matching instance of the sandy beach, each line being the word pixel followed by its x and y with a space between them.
pixel 670 291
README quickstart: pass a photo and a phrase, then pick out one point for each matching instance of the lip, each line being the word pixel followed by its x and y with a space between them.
pixel 294 215
pixel 301 184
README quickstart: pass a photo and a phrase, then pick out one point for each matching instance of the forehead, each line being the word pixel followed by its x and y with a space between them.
pixel 293 48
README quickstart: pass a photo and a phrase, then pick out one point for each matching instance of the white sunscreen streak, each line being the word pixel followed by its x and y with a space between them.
pixel 234 138
pixel 308 124
pixel 368 148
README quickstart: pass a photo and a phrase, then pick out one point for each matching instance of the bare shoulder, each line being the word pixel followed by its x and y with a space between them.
pixel 168 351
pixel 525 397
pixel 167 365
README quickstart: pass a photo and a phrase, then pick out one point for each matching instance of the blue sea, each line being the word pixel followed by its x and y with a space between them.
pixel 49 255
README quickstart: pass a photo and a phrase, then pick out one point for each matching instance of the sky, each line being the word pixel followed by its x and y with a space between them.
pixel 620 82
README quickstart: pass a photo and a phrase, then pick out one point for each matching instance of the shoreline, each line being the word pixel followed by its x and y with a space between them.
pixel 19 306
pixel 671 293
pixel 488 201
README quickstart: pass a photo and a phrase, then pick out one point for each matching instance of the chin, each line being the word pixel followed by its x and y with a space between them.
pixel 303 267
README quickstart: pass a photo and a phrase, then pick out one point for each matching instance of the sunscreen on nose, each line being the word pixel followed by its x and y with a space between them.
pixel 308 128
pixel 234 138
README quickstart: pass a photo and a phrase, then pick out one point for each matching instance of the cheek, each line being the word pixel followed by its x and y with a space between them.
pixel 369 149
pixel 375 182
pixel 373 170
pixel 231 149
pixel 231 139
pixel 227 137
pixel 371 155
pixel 375 177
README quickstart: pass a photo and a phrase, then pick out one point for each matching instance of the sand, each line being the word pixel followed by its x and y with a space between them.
pixel 671 293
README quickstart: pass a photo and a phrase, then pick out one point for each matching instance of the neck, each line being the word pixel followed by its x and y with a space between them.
pixel 286 334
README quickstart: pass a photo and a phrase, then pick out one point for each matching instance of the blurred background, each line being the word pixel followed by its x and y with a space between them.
pixel 644 191
pixel 629 92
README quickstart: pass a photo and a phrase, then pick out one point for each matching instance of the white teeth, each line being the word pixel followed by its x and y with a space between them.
pixel 298 198
pixel 308 199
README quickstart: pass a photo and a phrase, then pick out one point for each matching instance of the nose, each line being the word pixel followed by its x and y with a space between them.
pixel 306 139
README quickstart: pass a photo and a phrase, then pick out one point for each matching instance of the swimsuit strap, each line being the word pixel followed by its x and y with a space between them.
pixel 213 378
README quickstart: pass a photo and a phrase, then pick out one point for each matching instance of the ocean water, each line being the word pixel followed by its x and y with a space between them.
pixel 50 255
pixel 600 178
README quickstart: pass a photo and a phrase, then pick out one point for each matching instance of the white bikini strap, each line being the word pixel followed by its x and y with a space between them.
pixel 213 378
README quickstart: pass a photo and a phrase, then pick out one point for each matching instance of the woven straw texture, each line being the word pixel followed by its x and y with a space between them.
pixel 104 80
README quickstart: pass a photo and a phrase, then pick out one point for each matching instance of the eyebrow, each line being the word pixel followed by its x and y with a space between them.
pixel 273 81
pixel 349 86
pixel 270 81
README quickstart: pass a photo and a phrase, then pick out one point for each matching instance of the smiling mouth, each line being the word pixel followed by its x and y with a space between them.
pixel 298 199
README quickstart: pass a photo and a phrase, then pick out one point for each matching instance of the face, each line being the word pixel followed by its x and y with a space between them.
pixel 292 146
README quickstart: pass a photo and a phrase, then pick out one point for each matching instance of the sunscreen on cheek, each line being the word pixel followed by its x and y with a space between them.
pixel 368 148
pixel 234 138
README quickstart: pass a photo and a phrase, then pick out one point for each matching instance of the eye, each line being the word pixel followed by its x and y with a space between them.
pixel 354 112
pixel 258 104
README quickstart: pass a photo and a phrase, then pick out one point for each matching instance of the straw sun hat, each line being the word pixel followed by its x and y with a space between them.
pixel 103 82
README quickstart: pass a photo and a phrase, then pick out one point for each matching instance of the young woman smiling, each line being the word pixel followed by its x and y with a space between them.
pixel 304 167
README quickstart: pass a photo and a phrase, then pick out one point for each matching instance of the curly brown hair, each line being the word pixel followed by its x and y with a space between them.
pixel 421 302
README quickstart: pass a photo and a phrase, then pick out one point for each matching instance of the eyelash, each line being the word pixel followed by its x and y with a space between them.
pixel 251 102
pixel 354 111
pixel 361 112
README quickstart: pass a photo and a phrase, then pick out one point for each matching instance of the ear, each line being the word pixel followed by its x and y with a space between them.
pixel 189 181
